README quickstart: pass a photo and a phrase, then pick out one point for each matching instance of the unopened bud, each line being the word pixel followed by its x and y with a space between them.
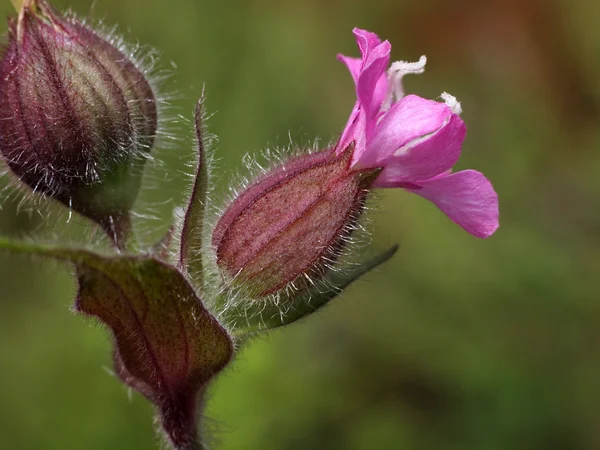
pixel 77 117
pixel 293 223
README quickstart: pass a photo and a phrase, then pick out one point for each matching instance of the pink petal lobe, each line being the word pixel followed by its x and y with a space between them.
pixel 354 65
pixel 370 77
pixel 350 130
pixel 426 157
pixel 411 118
pixel 467 198
pixel 372 84
pixel 366 40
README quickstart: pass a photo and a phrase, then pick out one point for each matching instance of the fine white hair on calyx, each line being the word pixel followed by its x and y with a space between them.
pixel 221 294
pixel 236 304
pixel 166 137
pixel 156 193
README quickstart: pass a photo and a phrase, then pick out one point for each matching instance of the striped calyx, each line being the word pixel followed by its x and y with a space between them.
pixel 77 117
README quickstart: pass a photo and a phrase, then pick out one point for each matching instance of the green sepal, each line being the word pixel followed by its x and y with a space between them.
pixel 263 315
pixel 190 241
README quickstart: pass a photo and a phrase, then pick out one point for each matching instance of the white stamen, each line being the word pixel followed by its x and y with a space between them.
pixel 409 67
pixel 451 101
pixel 395 74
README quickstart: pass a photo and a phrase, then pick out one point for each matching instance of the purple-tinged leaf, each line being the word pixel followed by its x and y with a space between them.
pixel 167 345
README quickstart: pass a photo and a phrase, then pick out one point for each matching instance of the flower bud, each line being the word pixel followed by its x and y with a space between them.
pixel 77 117
pixel 287 227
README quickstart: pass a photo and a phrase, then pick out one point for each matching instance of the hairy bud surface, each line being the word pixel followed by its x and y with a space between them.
pixel 77 117
pixel 291 223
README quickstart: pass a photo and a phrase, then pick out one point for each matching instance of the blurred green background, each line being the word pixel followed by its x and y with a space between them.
pixel 456 344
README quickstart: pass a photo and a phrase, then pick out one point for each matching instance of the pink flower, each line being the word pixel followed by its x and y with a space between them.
pixel 413 140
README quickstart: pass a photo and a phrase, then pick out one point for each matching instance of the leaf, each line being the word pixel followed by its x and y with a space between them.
pixel 167 345
pixel 263 316
pixel 191 232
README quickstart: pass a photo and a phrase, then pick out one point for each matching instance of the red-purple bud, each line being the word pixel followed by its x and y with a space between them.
pixel 292 223
pixel 77 117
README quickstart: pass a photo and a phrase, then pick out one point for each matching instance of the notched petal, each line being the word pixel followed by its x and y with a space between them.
pixel 467 198
pixel 426 156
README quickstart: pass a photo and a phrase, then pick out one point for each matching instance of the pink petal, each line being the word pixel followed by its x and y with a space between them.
pixel 426 157
pixel 366 40
pixel 352 130
pixel 369 74
pixel 354 65
pixel 466 197
pixel 372 84
pixel 409 119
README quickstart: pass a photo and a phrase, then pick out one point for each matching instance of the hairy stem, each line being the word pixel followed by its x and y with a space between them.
pixel 179 422
pixel 190 257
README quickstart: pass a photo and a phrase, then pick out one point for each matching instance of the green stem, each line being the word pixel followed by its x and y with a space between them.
pixel 18 4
